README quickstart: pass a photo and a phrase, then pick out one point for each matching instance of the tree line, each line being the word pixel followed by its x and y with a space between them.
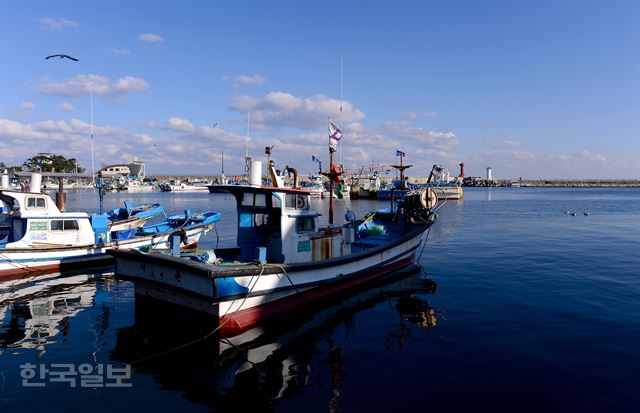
pixel 45 163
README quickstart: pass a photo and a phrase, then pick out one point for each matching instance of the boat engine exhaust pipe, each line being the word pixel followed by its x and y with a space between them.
pixel 36 182
pixel 255 173
pixel 289 170
pixel 5 180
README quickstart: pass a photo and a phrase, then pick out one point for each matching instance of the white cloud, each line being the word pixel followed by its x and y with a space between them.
pixel 510 143
pixel 56 25
pixel 82 85
pixel 27 106
pixel 247 80
pixel 558 157
pixel 174 123
pixel 68 107
pixel 150 38
pixel 506 156
pixel 278 110
pixel 591 157
pixel 117 52
pixel 129 84
pixel 430 114
pixel 283 101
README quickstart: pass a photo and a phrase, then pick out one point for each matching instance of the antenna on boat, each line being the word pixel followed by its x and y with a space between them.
pixel 246 140
pixel 341 83
pixel 93 169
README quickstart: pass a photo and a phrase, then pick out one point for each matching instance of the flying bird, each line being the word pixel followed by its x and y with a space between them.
pixel 62 56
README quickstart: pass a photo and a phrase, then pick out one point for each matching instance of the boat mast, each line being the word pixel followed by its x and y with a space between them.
pixel 341 102
pixel 93 169
pixel 246 153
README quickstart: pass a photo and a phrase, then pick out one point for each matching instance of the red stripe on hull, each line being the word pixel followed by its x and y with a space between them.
pixel 234 323
pixel 21 272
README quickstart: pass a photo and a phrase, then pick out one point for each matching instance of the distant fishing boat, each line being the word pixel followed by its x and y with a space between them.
pixel 135 185
pixel 175 185
pixel 445 187
pixel 41 239
pixel 399 187
pixel 315 186
pixel 284 259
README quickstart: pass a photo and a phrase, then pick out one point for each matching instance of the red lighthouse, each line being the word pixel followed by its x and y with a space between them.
pixel 461 169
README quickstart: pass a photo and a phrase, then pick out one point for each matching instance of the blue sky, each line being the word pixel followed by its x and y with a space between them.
pixel 534 89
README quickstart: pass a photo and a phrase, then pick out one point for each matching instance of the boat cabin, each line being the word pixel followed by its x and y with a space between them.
pixel 34 221
pixel 281 221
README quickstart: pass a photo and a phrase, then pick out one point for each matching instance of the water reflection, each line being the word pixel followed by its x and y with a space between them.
pixel 34 315
pixel 276 360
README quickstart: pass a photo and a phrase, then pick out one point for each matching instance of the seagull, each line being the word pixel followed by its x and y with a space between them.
pixel 61 56
pixel 586 214
pixel 573 214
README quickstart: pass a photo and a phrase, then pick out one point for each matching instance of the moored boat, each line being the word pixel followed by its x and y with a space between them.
pixel 180 186
pixel 283 260
pixel 445 187
pixel 132 216
pixel 42 239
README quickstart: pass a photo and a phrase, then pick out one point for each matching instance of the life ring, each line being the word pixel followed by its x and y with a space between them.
pixel 182 186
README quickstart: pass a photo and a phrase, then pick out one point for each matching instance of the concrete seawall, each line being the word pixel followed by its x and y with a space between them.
pixel 552 183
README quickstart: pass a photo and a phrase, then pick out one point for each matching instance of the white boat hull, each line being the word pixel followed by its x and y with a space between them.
pixel 27 262
pixel 264 291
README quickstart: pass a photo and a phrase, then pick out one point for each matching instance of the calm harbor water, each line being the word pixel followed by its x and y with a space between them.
pixel 518 307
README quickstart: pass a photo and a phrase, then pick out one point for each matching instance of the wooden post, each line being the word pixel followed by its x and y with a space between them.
pixel 61 197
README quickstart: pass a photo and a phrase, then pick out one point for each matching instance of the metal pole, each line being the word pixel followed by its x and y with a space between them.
pixel 93 169
pixel 331 187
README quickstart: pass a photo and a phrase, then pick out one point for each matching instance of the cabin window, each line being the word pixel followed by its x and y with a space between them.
pixel 64 225
pixel 305 224
pixel 260 200
pixel 275 201
pixel 36 203
pixel 295 201
pixel 254 199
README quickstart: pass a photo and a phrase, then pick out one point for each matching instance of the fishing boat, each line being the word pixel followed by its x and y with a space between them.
pixel 315 186
pixel 445 187
pixel 283 259
pixel 399 187
pixel 135 185
pixel 132 216
pixel 42 239
pixel 175 185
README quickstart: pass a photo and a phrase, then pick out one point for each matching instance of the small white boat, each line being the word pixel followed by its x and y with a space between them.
pixel 40 239
pixel 180 186
pixel 135 185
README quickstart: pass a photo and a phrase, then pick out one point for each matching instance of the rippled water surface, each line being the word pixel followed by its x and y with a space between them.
pixel 518 307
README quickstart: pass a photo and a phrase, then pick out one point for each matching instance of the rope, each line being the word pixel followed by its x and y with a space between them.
pixel 212 332
pixel 424 244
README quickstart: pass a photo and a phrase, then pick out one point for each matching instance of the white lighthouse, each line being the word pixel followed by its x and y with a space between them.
pixel 489 170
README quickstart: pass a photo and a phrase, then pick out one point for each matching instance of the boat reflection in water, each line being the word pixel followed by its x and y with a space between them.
pixel 34 314
pixel 269 362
